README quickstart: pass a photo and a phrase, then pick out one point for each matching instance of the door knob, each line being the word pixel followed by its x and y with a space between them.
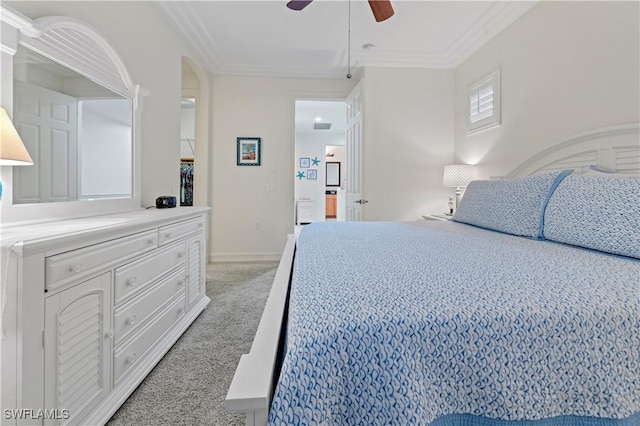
pixel 361 201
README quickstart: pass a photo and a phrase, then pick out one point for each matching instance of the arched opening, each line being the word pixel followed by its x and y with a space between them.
pixel 194 135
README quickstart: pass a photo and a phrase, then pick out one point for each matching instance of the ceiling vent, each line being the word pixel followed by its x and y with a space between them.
pixel 321 126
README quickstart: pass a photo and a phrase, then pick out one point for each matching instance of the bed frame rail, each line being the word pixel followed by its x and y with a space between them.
pixel 254 381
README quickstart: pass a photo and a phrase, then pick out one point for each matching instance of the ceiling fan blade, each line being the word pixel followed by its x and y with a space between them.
pixel 298 4
pixel 382 9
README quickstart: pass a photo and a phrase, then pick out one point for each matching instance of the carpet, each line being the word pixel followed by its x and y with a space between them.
pixel 189 385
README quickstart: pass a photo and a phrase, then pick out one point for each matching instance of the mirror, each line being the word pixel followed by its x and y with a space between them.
pixel 79 134
pixel 332 173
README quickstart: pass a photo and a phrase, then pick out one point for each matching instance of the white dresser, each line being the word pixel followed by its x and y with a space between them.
pixel 91 305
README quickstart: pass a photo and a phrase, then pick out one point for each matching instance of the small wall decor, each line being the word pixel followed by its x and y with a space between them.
pixel 305 163
pixel 312 174
pixel 315 161
pixel 248 151
pixel 300 175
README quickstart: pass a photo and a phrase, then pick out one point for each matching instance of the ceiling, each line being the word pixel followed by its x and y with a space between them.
pixel 310 112
pixel 268 39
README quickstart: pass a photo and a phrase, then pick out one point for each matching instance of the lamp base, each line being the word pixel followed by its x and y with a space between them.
pixel 458 194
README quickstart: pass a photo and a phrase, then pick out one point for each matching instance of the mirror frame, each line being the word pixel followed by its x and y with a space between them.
pixel 71 43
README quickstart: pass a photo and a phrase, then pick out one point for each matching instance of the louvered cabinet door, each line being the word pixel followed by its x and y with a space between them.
pixel 77 348
pixel 195 269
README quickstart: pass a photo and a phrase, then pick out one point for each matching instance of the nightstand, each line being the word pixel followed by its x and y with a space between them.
pixel 436 217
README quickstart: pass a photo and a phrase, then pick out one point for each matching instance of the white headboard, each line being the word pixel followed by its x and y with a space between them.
pixel 612 148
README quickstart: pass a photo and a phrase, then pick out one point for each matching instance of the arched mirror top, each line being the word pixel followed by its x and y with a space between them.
pixel 76 45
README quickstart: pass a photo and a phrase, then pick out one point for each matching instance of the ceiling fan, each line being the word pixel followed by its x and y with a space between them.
pixel 382 9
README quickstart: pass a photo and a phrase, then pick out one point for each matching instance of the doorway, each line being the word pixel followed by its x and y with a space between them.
pixel 187 150
pixel 320 134
pixel 335 179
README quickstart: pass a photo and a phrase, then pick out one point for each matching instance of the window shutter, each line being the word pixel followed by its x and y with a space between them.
pixel 484 103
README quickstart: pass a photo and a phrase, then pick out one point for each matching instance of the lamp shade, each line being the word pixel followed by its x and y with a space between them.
pixel 457 175
pixel 12 150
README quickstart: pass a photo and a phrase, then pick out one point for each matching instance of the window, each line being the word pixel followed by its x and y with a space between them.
pixel 484 104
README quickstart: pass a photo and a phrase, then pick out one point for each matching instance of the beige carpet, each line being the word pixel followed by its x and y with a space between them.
pixel 189 384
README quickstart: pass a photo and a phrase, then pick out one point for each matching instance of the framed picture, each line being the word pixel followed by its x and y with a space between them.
pixel 248 152
pixel 305 163
pixel 312 174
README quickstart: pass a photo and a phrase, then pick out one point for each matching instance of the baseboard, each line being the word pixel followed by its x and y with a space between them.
pixel 244 257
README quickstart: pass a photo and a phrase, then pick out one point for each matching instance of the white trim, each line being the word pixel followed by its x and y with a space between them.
pixel 244 257
pixel 496 18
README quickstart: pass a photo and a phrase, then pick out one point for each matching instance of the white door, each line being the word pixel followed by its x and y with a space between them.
pixel 353 194
pixel 47 122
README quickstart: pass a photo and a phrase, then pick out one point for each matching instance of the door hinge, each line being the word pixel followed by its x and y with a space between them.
pixel 43 337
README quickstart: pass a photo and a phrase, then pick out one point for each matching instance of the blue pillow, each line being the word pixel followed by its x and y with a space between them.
pixel 597 212
pixel 514 206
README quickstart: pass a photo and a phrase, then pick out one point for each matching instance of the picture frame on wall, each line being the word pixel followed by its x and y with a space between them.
pixel 312 174
pixel 248 151
pixel 305 162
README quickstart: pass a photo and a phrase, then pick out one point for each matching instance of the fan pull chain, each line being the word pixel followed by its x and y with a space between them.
pixel 349 44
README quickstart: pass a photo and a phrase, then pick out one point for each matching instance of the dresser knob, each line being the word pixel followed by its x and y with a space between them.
pixel 180 283
pixel 151 242
pixel 110 334
pixel 181 310
pixel 200 225
pixel 180 255
pixel 131 281
pixel 131 320
pixel 76 268
pixel 167 235
pixel 131 358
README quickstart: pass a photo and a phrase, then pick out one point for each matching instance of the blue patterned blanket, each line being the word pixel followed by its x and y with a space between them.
pixel 409 324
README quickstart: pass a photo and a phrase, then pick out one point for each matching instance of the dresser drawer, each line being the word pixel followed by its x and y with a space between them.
pixel 135 276
pixel 129 317
pixel 66 267
pixel 133 352
pixel 175 231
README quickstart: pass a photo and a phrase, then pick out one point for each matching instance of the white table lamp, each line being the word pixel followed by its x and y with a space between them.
pixel 457 176
pixel 12 150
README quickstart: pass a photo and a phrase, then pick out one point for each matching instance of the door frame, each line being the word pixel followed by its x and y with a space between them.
pixel 321 175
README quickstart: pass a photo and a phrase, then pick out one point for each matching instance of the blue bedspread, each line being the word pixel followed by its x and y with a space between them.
pixel 408 324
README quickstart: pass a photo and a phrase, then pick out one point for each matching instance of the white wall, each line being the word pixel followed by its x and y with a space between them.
pixel 408 138
pixel 566 68
pixel 257 107
pixel 152 54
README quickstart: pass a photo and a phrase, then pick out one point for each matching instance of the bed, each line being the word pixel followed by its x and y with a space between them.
pixel 526 312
